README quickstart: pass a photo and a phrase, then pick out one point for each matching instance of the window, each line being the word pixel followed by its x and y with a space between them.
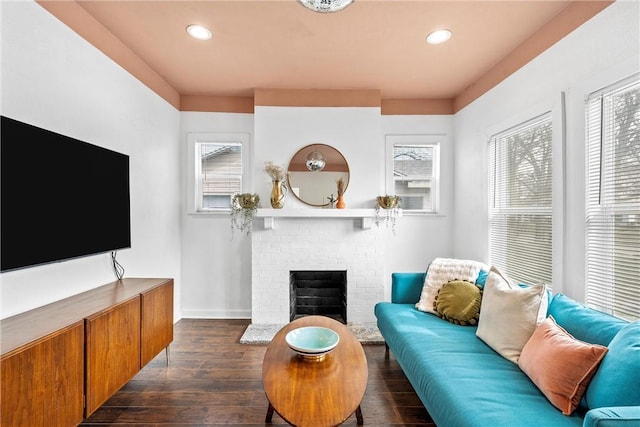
pixel 613 199
pixel 414 171
pixel 220 170
pixel 520 209
pixel 217 169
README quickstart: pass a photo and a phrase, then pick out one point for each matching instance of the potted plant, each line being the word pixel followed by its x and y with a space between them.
pixel 388 204
pixel 244 208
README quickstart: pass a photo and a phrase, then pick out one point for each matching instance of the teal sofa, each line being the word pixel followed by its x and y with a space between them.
pixel 462 382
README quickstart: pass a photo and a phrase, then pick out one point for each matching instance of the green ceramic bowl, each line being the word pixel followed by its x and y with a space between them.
pixel 310 340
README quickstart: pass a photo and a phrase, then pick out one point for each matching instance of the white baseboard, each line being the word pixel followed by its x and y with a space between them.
pixel 216 314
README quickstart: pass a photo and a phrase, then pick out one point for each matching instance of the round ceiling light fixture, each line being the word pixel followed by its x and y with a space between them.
pixel 315 161
pixel 325 6
pixel 438 36
pixel 199 32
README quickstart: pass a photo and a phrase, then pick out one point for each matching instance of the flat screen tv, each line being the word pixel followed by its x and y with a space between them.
pixel 61 198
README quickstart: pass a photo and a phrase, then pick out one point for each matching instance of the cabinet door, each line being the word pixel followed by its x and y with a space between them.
pixel 157 321
pixel 42 384
pixel 112 351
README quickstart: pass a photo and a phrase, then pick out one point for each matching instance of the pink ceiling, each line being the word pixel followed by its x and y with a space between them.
pixel 278 44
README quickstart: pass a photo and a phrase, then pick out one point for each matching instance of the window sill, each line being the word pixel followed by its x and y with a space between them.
pixel 225 212
pixel 426 214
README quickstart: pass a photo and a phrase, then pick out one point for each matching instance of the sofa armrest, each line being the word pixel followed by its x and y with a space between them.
pixel 616 416
pixel 406 287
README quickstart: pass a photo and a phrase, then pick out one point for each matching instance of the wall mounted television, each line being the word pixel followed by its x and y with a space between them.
pixel 60 198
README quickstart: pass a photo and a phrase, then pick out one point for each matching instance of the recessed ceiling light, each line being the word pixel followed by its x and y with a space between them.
pixel 439 36
pixel 199 32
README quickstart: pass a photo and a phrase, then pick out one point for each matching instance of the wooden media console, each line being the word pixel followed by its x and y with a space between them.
pixel 60 362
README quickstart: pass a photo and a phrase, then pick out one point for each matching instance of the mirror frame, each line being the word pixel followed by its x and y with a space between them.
pixel 300 157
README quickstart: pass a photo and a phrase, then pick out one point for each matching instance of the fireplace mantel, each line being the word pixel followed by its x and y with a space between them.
pixel 365 217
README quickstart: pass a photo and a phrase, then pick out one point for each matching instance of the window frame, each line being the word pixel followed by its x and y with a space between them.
pixel 428 140
pixel 597 214
pixel 505 211
pixel 194 195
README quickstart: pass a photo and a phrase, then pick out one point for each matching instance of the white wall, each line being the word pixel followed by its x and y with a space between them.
pixel 421 238
pixel 216 266
pixel 54 79
pixel 281 131
pixel 216 272
pixel 600 52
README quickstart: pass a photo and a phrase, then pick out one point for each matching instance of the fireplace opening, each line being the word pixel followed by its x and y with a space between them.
pixel 322 293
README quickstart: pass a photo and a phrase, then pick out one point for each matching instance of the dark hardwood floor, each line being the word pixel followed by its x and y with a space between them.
pixel 212 380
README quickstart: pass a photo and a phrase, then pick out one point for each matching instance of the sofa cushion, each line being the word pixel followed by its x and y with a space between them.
pixel 613 416
pixel 482 277
pixel 559 365
pixel 617 381
pixel 406 287
pixel 584 323
pixel 461 381
pixel 509 314
pixel 458 302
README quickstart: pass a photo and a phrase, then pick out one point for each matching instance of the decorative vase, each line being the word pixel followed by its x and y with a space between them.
pixel 340 203
pixel 278 193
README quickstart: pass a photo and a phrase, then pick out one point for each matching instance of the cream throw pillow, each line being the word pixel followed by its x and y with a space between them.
pixel 510 314
pixel 441 271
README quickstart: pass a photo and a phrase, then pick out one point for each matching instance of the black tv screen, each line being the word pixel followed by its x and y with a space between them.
pixel 61 198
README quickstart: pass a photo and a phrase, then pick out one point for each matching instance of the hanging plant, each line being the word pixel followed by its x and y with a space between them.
pixel 244 208
pixel 388 211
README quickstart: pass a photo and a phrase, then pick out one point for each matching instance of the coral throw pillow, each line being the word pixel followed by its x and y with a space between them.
pixel 560 365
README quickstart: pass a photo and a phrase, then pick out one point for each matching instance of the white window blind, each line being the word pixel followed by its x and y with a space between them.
pixel 613 199
pixel 520 207
pixel 219 171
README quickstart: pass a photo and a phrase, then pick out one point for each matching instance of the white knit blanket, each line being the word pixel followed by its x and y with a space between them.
pixel 441 271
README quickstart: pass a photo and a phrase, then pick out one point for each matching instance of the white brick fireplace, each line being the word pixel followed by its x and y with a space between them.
pixel 315 243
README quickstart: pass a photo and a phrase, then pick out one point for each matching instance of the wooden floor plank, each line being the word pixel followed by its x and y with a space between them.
pixel 213 380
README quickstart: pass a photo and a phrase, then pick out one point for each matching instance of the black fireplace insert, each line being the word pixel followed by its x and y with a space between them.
pixel 321 293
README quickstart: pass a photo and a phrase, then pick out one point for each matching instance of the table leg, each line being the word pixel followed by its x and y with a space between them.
pixel 359 416
pixel 269 414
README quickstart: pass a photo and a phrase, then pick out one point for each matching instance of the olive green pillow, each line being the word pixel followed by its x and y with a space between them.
pixel 458 302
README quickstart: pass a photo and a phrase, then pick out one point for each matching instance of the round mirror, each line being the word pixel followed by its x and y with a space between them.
pixel 314 172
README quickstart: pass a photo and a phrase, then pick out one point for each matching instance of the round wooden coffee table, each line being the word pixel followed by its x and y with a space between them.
pixel 306 393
